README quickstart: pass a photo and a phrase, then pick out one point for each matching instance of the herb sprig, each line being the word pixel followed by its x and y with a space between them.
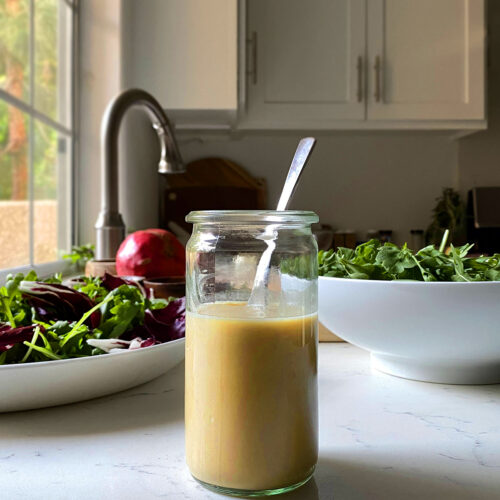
pixel 80 255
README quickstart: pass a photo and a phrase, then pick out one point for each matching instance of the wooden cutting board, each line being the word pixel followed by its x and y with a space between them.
pixel 326 335
pixel 210 184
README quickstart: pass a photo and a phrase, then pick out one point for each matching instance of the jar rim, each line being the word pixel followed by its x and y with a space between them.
pixel 251 217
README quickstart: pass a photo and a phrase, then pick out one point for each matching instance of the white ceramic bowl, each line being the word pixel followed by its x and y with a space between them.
pixel 50 383
pixel 436 332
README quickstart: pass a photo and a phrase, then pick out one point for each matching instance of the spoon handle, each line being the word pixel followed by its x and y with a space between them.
pixel 258 293
pixel 299 161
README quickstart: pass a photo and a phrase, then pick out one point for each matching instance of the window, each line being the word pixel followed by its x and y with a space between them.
pixel 37 46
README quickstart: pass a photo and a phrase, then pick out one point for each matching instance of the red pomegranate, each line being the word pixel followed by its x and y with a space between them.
pixel 150 253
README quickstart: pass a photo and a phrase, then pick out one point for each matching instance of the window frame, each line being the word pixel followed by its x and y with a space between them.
pixel 69 132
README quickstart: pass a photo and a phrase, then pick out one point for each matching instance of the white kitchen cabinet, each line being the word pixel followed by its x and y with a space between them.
pixel 426 59
pixel 362 64
pixel 305 61
pixel 316 64
pixel 185 53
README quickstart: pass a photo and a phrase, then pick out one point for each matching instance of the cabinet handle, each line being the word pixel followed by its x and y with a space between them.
pixel 378 70
pixel 359 68
pixel 253 44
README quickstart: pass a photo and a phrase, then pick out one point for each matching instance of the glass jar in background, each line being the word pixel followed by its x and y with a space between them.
pixel 385 235
pixel 417 239
pixel 251 370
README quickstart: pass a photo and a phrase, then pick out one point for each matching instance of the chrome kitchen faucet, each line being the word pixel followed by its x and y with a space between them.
pixel 110 229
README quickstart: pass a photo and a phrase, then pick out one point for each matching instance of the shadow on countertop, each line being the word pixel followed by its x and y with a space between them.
pixel 158 402
pixel 414 477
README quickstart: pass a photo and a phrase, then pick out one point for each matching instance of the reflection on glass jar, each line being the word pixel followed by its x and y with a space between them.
pixel 251 370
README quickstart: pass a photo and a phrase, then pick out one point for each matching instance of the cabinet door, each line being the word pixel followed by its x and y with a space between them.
pixel 306 67
pixel 426 59
pixel 185 53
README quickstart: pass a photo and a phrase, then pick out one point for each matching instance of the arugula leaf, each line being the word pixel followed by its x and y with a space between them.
pixel 124 309
pixel 92 287
pixel 457 255
pixel 394 260
pixel 30 344
pixel 10 298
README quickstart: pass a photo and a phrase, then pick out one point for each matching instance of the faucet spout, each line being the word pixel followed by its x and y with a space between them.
pixel 110 228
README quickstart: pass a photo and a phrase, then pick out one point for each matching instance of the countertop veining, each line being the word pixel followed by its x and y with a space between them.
pixel 381 437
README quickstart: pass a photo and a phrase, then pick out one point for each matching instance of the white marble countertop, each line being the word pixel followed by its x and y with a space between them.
pixel 380 438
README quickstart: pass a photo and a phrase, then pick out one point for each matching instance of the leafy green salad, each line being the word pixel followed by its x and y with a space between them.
pixel 376 261
pixel 46 320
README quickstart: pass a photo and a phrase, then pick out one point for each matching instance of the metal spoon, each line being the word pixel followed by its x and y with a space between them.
pixel 300 158
pixel 299 161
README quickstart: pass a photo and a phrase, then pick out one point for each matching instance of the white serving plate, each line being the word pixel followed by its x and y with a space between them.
pixel 50 383
pixel 435 332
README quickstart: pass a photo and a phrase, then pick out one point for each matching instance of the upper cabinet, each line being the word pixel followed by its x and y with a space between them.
pixel 185 53
pixel 426 60
pixel 315 64
pixel 363 64
pixel 305 62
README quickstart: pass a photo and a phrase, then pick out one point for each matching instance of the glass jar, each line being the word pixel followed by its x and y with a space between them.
pixel 251 357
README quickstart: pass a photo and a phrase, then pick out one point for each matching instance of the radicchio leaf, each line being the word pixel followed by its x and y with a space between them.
pixel 117 345
pixel 107 345
pixel 10 336
pixel 168 323
pixel 110 282
pixel 148 342
pixel 58 302
pixel 162 325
